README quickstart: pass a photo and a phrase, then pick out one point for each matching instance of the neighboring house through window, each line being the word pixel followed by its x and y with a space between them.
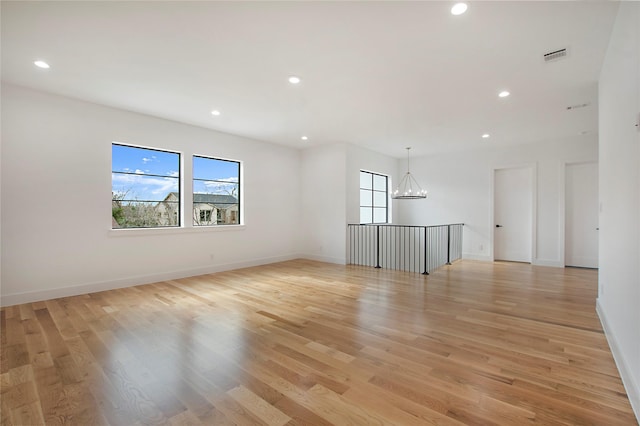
pixel 374 198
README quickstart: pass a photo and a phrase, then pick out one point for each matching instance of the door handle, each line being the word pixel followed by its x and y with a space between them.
pixel 498 226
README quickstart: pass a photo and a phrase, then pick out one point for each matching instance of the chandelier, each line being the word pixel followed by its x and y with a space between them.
pixel 408 188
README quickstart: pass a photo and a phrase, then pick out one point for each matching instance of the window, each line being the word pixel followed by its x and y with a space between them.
pixel 205 216
pixel 144 187
pixel 216 186
pixel 374 198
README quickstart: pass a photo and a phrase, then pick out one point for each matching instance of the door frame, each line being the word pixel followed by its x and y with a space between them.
pixel 563 206
pixel 533 170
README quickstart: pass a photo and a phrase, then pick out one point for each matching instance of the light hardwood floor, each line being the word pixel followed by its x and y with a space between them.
pixel 304 342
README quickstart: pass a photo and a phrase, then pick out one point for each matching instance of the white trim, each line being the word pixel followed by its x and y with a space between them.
pixel 562 211
pixel 534 212
pixel 473 256
pixel 562 197
pixel 35 296
pixel 327 259
pixel 547 262
pixel 492 213
pixel 632 388
pixel 533 168
pixel 187 196
pixel 139 232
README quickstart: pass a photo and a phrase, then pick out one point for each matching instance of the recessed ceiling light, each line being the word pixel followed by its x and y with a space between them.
pixel 504 94
pixel 485 136
pixel 41 64
pixel 215 112
pixel 294 80
pixel 304 138
pixel 459 8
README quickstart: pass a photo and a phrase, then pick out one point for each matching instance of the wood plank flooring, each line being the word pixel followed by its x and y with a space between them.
pixel 308 343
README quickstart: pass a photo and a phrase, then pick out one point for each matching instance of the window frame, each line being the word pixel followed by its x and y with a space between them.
pixel 179 222
pixel 238 197
pixel 373 191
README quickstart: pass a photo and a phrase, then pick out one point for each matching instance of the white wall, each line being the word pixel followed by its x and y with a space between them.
pixel 56 188
pixel 330 182
pixel 460 189
pixel 330 178
pixel 323 197
pixel 619 299
pixel 56 154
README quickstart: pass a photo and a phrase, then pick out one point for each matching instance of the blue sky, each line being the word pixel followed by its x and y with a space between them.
pixel 221 176
pixel 151 175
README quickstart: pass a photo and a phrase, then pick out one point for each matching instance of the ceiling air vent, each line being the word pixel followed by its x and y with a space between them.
pixel 555 55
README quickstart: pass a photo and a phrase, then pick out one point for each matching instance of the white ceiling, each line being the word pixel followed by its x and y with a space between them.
pixel 383 75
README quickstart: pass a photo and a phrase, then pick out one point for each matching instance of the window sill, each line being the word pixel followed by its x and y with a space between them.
pixel 139 232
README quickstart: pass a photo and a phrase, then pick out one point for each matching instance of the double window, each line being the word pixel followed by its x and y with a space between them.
pixel 145 189
pixel 374 198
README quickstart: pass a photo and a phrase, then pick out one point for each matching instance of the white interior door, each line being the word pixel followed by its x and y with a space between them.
pixel 513 206
pixel 581 215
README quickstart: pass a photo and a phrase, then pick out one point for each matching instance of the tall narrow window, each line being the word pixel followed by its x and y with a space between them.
pixel 216 191
pixel 374 196
pixel 145 187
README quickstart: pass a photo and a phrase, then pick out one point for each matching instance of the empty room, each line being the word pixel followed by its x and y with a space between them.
pixel 320 213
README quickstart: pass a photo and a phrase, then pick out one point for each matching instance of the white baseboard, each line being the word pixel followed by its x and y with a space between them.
pixel 327 259
pixel 538 262
pixel 630 385
pixel 544 262
pixel 38 295
pixel 473 256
